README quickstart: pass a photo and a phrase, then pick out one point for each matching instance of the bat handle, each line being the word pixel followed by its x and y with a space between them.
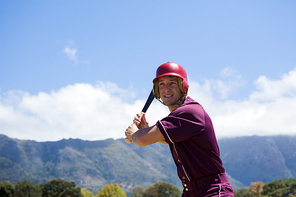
pixel 128 140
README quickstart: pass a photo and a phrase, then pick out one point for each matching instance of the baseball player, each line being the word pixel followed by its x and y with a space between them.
pixel 188 131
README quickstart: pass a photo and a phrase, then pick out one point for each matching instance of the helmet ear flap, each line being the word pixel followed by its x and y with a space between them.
pixel 180 83
pixel 183 85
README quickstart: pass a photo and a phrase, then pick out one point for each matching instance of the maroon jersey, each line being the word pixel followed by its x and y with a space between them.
pixel 189 131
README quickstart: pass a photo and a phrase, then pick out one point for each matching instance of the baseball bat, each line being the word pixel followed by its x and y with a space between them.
pixel 145 108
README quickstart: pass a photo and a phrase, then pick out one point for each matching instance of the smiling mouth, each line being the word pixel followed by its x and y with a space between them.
pixel 168 96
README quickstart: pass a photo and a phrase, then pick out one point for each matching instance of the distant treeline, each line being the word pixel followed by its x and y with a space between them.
pixel 62 188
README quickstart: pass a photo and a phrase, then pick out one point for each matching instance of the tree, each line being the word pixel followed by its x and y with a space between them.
pixel 6 189
pixel 257 188
pixel 244 192
pixel 86 193
pixel 162 189
pixel 27 189
pixel 137 191
pixel 111 190
pixel 61 188
pixel 282 187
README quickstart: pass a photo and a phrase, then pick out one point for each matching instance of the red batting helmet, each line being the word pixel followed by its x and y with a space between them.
pixel 174 70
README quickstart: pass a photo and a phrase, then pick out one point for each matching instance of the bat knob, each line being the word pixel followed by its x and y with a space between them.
pixel 128 140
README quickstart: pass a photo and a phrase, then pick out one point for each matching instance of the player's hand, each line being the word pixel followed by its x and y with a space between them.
pixel 141 123
pixel 131 129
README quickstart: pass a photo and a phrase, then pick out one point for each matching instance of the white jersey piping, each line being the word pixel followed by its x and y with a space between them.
pixel 175 149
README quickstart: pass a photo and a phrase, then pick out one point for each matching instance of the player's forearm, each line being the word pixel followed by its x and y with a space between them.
pixel 147 136
pixel 139 137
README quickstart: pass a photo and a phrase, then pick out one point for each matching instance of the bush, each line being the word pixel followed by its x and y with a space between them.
pixel 111 190
pixel 6 189
pixel 61 188
pixel 86 193
pixel 282 187
pixel 137 191
pixel 27 189
pixel 245 192
pixel 162 189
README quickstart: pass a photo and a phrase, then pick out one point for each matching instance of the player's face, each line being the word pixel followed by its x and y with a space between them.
pixel 169 90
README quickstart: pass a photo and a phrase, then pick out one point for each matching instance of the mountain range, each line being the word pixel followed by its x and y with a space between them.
pixel 93 164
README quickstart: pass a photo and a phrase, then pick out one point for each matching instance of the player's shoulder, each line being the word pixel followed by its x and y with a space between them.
pixel 189 106
pixel 190 102
pixel 190 110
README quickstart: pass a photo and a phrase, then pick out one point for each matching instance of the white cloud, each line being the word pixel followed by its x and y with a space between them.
pixel 98 112
pixel 71 53
pixel 275 89
pixel 221 88
pixel 76 111
pixel 270 110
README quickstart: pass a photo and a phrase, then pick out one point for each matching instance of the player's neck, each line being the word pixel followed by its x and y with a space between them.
pixel 180 102
pixel 172 107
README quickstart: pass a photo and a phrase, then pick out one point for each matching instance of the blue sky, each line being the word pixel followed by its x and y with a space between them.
pixel 82 69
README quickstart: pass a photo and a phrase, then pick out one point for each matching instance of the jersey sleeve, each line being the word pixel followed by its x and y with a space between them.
pixel 183 123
